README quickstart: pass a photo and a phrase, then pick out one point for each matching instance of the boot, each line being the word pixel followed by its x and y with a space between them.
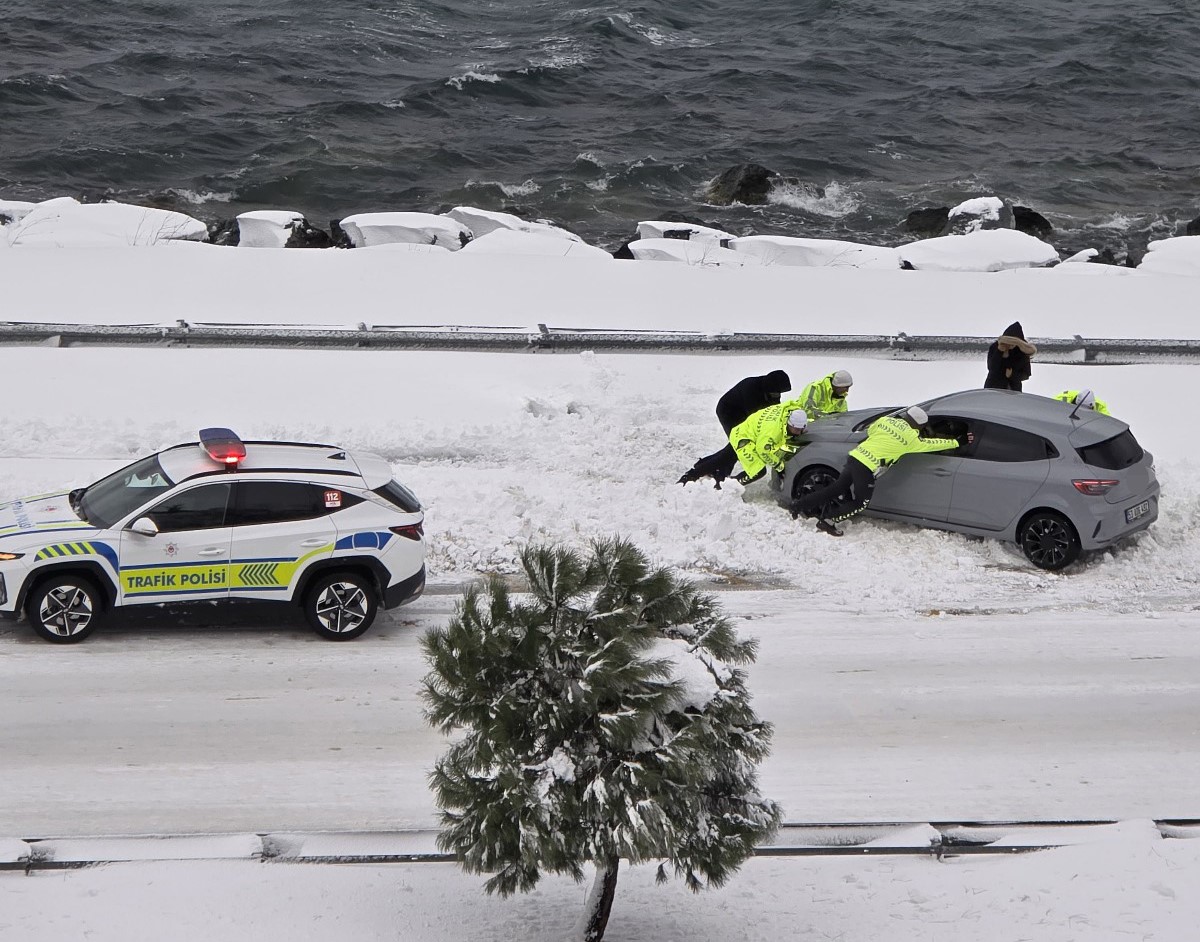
pixel 828 526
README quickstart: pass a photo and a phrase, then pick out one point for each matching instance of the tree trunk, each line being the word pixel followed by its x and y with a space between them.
pixel 598 906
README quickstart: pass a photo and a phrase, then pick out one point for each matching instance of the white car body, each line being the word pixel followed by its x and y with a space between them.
pixel 264 527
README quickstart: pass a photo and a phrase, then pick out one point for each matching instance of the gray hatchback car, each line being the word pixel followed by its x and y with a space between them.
pixel 1053 478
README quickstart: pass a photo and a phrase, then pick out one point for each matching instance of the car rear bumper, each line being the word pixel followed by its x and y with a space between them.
pixel 405 590
pixel 1112 526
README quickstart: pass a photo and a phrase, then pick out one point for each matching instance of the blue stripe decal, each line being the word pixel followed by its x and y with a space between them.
pixel 5 536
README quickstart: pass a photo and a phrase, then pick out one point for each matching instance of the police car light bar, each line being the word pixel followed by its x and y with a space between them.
pixel 222 445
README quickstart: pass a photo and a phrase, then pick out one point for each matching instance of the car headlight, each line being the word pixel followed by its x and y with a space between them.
pixel 5 557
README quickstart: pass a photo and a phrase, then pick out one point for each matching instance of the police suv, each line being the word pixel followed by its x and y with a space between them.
pixel 213 521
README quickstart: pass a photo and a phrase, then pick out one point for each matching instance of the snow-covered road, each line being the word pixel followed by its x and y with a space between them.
pixel 151 729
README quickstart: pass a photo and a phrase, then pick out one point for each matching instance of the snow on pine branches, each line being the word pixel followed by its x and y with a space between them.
pixel 604 717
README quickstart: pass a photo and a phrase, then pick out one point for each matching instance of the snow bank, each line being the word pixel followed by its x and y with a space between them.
pixel 365 229
pixel 483 221
pixel 830 253
pixel 986 250
pixel 67 222
pixel 514 242
pixel 1178 256
pixel 703 252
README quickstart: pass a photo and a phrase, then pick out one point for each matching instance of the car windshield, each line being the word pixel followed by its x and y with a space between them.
pixel 116 496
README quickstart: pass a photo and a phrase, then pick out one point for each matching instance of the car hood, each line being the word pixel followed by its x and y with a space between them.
pixel 839 426
pixel 25 519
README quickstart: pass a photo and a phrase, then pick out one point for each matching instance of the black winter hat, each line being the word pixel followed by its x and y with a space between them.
pixel 778 381
pixel 1014 330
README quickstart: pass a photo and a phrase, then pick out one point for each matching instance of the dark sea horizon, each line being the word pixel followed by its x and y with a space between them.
pixel 598 115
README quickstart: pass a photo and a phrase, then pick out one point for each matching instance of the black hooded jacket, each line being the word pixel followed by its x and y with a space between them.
pixel 1009 370
pixel 750 395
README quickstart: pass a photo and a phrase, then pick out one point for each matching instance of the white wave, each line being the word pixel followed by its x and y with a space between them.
pixel 556 60
pixel 394 103
pixel 1117 221
pixel 601 185
pixel 528 188
pixel 659 37
pixel 888 149
pixel 472 76
pixel 834 200
pixel 587 157
pixel 203 196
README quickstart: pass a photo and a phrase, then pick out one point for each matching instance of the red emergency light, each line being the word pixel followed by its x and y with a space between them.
pixel 222 445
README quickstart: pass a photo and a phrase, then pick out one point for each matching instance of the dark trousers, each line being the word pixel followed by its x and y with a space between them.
pixel 855 484
pixel 719 465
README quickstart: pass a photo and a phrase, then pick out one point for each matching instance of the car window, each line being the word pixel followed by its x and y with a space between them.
pixel 1113 453
pixel 396 493
pixel 198 508
pixel 257 502
pixel 996 442
pixel 121 493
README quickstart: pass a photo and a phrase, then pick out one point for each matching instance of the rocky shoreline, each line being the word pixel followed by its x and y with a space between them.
pixel 1021 237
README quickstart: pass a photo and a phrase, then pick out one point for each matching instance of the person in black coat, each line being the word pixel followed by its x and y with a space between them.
pixel 733 408
pixel 1008 359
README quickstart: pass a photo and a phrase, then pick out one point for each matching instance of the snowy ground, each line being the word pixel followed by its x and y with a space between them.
pixel 912 675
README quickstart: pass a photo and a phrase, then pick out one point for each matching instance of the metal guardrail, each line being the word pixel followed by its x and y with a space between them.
pixel 546 339
pixel 939 840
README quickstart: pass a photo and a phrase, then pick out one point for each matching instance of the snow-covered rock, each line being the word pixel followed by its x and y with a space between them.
pixel 364 229
pixel 815 253
pixel 658 229
pixel 267 228
pixel 14 210
pixel 705 252
pixel 482 221
pixel 514 242
pixel 1178 256
pixel 983 212
pixel 67 222
pixel 984 250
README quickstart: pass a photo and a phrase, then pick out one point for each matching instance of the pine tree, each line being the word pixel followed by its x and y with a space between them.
pixel 603 719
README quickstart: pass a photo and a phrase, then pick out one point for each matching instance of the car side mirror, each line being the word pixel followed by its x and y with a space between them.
pixel 145 526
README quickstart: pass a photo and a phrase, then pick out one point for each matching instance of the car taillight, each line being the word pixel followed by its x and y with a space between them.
pixel 1094 487
pixel 410 531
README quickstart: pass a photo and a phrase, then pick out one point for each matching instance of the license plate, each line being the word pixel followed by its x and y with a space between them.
pixel 1137 510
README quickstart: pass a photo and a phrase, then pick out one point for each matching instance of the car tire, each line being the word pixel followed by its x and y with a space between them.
pixel 1049 540
pixel 814 478
pixel 65 609
pixel 341 606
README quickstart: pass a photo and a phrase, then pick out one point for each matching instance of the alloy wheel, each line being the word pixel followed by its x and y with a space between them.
pixel 66 611
pixel 342 607
pixel 1047 542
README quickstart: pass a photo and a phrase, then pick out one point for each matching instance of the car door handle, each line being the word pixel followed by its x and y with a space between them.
pixel 314 542
pixel 213 551
pixel 942 472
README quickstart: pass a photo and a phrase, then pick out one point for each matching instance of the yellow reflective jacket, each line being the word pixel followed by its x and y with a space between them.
pixel 818 398
pixel 1070 395
pixel 891 438
pixel 762 440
